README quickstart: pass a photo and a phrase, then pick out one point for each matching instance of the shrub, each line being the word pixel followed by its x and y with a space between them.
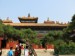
pixel 64 48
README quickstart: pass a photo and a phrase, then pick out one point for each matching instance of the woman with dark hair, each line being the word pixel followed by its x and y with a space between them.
pixel 16 52
pixel 19 50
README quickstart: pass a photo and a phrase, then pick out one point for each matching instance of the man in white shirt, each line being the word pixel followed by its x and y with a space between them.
pixel 26 51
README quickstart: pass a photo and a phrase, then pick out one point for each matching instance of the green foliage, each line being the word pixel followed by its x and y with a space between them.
pixel 18 34
pixel 66 35
pixel 0 21
pixel 63 48
pixel 36 41
pixel 52 36
pixel 1 30
pixel 9 31
pixel 72 23
pixel 73 18
pixel 30 35
pixel 69 31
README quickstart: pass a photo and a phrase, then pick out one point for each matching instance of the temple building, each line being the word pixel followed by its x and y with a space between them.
pixel 32 23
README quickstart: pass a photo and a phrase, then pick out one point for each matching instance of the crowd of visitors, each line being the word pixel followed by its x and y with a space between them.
pixel 28 50
pixel 17 51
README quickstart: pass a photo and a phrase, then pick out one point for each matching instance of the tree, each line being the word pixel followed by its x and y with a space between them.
pixel 0 21
pixel 73 18
pixel 72 24
pixel 8 31
pixel 52 36
pixel 30 35
pixel 71 29
pixel 1 30
pixel 18 34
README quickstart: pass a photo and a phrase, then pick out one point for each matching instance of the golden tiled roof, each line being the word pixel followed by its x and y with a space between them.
pixel 27 18
pixel 53 22
pixel 35 24
pixel 49 22
pixel 7 21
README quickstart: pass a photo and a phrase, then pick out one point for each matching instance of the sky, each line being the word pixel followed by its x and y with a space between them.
pixel 56 10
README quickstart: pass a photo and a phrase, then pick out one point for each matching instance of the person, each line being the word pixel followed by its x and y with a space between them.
pixel 32 51
pixel 16 45
pixel 26 51
pixel 56 51
pixel 0 51
pixel 16 52
pixel 10 52
pixel 19 50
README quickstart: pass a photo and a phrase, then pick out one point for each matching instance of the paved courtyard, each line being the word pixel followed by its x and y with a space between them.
pixel 40 52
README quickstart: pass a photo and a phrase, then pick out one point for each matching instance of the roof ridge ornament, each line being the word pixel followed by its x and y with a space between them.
pixel 28 14
pixel 48 19
pixel 7 18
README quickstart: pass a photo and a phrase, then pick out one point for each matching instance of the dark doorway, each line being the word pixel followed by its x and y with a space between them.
pixel 3 44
